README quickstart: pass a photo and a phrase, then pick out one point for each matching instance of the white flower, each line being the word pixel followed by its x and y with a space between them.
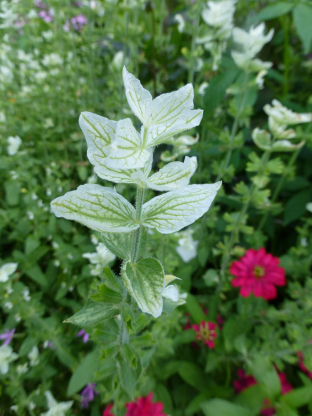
pixel 92 178
pixel 178 18
pixel 30 215
pixel 202 88
pixel 283 116
pixel 187 248
pixel 22 368
pixel 100 259
pixel 8 305
pixel 13 145
pixel 309 207
pixel 2 117
pixel 26 295
pixel 260 78
pixel 33 356
pixel 14 408
pixel 47 35
pixel 6 356
pixel 118 61
pixel 6 270
pixel 53 59
pixel 56 409
pixel 250 43
pixel 219 13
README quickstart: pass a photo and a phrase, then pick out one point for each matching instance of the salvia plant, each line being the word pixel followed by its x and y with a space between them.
pixel 121 154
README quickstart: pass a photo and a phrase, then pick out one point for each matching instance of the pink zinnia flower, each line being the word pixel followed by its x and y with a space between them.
pixel 206 332
pixel 302 366
pixel 244 381
pixel 258 272
pixel 268 409
pixel 285 385
pixel 107 411
pixel 144 406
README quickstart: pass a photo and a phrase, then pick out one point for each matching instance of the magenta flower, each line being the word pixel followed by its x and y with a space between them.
pixel 85 336
pixel 244 381
pixel 40 4
pixel 302 366
pixel 258 272
pixel 107 411
pixel 206 332
pixel 7 336
pixel 88 394
pixel 286 387
pixel 79 22
pixel 268 409
pixel 144 406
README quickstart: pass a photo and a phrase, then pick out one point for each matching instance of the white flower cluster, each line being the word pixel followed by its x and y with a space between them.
pixel 100 259
pixel 187 248
pixel 279 118
pixel 219 17
pixel 6 356
pixel 13 145
pixel 250 44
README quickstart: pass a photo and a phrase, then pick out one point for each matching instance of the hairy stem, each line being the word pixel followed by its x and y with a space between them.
pixel 135 242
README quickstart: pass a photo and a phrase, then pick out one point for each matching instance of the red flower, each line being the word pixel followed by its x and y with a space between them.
pixel 302 366
pixel 206 332
pixel 244 381
pixel 258 272
pixel 285 385
pixel 107 411
pixel 268 409
pixel 144 407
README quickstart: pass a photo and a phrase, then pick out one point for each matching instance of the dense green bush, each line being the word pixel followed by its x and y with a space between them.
pixel 79 330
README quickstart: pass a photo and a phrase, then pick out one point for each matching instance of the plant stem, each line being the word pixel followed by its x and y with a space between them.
pixel 190 77
pixel 280 185
pixel 285 25
pixel 135 242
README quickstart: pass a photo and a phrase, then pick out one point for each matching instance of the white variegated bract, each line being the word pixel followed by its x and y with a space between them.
pixel 99 208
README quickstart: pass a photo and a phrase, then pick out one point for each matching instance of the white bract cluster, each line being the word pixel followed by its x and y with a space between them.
pixel 100 259
pixel 250 43
pixel 121 154
pixel 56 409
pixel 6 356
pixel 219 17
pixel 180 147
pixel 187 248
pixel 277 140
pixel 13 145
pixel 6 270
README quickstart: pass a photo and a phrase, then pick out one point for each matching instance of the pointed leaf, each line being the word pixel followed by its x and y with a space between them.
pixel 138 97
pixel 83 373
pixel 129 153
pixel 302 18
pixel 120 243
pixel 145 281
pixel 92 314
pixel 173 176
pixel 161 132
pixel 122 175
pixel 97 207
pixel 177 209
pixel 99 133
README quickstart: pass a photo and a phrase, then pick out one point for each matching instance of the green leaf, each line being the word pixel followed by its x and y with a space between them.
pixel 35 273
pixel 177 209
pixel 145 282
pixel 113 281
pixel 274 10
pixel 215 93
pixel 92 314
pixel 128 376
pixel 194 309
pixel 98 207
pixel 252 398
pixel 218 407
pixel 302 19
pixel 193 375
pixel 118 243
pixel 83 374
pixel 107 295
pixel 299 397
pixel 295 206
pixel 265 373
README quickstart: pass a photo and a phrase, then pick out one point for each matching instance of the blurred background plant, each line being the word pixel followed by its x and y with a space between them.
pixel 221 353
